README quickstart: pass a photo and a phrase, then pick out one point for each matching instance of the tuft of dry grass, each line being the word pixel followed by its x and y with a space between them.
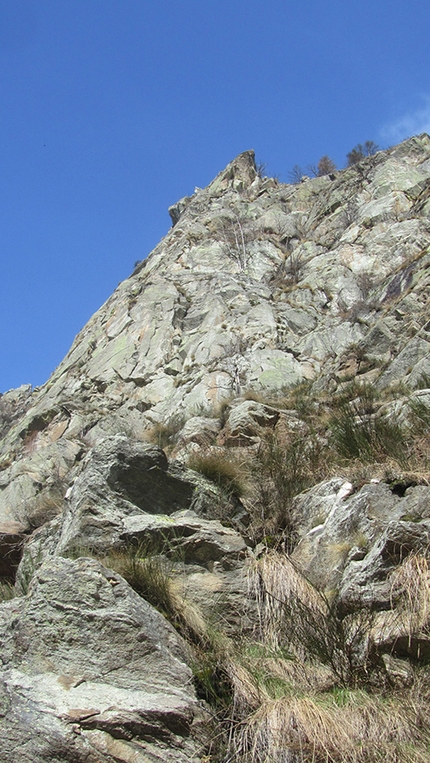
pixel 227 474
pixel 361 729
pixel 272 582
pixel 151 575
pixel 165 434
pixel 148 575
pixel 410 594
pixel 410 583
pixel 286 711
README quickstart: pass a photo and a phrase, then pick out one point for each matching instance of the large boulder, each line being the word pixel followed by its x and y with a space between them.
pixel 185 535
pixel 91 673
pixel 120 478
pixel 351 540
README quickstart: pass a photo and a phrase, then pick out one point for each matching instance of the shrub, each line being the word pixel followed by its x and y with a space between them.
pixel 294 614
pixel 295 174
pixel 236 233
pixel 282 468
pixel 420 416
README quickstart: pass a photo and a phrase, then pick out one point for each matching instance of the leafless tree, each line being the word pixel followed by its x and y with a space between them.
pixel 261 169
pixel 295 174
pixel 325 166
pixel 236 234
pixel 360 152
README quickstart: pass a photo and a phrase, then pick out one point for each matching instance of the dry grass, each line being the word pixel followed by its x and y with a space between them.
pixel 165 434
pixel 276 700
pixel 148 575
pixel 273 582
pixel 410 584
pixel 319 729
pixel 410 594
pixel 226 473
pixel 293 707
pixel 154 578
pixel 286 711
pixel 295 616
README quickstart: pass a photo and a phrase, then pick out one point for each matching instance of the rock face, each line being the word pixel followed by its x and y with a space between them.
pixel 257 286
pixel 92 672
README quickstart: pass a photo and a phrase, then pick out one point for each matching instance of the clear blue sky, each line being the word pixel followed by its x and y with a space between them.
pixel 111 110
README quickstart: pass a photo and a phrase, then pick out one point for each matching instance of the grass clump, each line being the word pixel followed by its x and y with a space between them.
pixel 154 578
pixel 7 591
pixel 226 473
pixel 147 575
pixel 313 691
pixel 410 596
pixel 165 434
pixel 314 728
pixel 360 431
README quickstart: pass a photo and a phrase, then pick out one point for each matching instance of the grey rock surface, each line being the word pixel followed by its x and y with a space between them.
pixel 328 268
pixel 119 478
pixel 186 536
pixel 257 287
pixel 352 541
pixel 91 672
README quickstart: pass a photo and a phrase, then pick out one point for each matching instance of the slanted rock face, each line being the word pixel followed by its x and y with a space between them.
pixel 91 673
pixel 13 405
pixel 257 286
pixel 119 478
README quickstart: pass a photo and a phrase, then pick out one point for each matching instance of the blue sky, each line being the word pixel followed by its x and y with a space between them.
pixel 111 110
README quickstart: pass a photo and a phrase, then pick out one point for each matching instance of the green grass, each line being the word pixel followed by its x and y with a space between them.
pixel 360 431
pixel 7 591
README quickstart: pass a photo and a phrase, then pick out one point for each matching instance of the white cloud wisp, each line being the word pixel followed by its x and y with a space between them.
pixel 412 123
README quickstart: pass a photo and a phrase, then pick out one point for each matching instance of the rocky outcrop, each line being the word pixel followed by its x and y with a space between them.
pixel 257 287
pixel 120 479
pixel 13 405
pixel 351 541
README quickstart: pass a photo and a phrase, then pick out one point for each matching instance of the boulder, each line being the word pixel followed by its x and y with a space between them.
pixel 92 673
pixel 366 581
pixel 246 420
pixel 351 540
pixel 119 478
pixel 183 535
